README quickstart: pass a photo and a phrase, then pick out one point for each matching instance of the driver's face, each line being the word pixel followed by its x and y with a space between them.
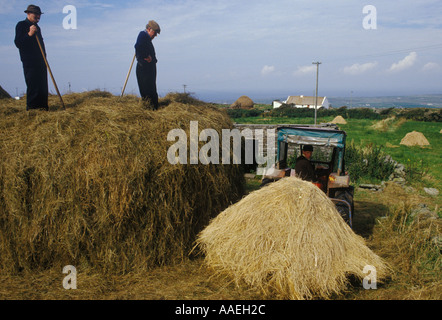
pixel 308 154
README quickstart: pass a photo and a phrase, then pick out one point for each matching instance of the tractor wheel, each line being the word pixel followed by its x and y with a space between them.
pixel 343 209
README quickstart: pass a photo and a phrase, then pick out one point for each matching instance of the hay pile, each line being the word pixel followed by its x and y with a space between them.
pixel 339 120
pixel 388 124
pixel 287 239
pixel 4 94
pixel 243 102
pixel 92 187
pixel 414 138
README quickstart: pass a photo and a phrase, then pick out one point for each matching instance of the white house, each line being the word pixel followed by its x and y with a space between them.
pixel 277 104
pixel 303 102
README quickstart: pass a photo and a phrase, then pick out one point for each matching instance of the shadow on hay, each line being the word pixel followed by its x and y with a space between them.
pixel 365 215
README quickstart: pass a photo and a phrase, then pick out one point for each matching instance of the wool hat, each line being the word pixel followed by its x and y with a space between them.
pixel 154 26
pixel 307 147
pixel 33 9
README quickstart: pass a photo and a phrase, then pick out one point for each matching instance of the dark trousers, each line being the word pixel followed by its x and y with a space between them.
pixel 147 77
pixel 36 79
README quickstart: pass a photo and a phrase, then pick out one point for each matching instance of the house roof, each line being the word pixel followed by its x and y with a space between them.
pixel 304 100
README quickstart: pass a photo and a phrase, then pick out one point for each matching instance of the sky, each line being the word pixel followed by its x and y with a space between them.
pixel 222 49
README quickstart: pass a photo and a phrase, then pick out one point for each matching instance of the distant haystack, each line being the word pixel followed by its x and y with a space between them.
pixel 384 124
pixel 415 138
pixel 388 124
pixel 4 94
pixel 287 239
pixel 243 102
pixel 339 120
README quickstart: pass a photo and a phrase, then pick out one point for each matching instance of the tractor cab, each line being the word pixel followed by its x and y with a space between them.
pixel 328 143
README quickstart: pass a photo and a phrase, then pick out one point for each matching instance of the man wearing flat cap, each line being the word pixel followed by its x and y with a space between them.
pixel 34 67
pixel 147 64
pixel 304 169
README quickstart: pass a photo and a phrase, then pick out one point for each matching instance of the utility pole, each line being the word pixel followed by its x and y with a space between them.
pixel 351 98
pixel 317 75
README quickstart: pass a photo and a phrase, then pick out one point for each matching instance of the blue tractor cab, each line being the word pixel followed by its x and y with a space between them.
pixel 328 158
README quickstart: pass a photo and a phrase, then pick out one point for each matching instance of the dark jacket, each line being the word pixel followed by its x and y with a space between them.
pixel 30 53
pixel 144 48
pixel 304 169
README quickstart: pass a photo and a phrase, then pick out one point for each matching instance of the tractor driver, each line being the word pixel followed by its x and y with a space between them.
pixel 304 168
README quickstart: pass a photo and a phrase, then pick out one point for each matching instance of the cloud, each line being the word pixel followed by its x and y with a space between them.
pixel 431 66
pixel 267 70
pixel 195 39
pixel 8 6
pixel 405 63
pixel 359 68
pixel 305 70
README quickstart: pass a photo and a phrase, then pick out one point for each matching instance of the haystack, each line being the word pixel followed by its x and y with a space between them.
pixel 339 120
pixel 287 239
pixel 414 138
pixel 243 102
pixel 4 94
pixel 92 186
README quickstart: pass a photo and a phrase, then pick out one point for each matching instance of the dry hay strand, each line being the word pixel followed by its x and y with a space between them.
pixel 383 124
pixel 389 145
pixel 418 260
pixel 389 124
pixel 92 187
pixel 339 120
pixel 414 138
pixel 287 239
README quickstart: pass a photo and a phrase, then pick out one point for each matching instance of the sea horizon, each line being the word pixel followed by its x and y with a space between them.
pixel 432 100
pixel 375 101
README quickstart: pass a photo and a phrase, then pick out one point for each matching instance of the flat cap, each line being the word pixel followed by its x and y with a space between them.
pixel 154 26
pixel 307 147
pixel 33 9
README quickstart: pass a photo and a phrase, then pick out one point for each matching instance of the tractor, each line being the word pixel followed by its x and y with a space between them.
pixel 328 142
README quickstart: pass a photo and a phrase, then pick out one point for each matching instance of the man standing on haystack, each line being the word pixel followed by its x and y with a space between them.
pixel 34 67
pixel 147 64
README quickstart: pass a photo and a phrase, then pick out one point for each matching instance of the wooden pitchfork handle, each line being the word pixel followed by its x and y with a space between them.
pixel 50 72
pixel 127 77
